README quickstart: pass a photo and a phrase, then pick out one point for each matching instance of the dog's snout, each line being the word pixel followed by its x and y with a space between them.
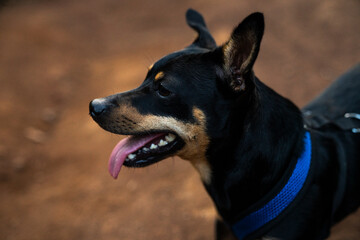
pixel 97 107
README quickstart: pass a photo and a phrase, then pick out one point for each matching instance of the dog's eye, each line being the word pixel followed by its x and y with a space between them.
pixel 163 91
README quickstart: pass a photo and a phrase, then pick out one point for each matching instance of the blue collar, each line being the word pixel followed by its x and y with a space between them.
pixel 281 201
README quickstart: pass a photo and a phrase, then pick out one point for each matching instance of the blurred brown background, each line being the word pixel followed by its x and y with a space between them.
pixel 55 56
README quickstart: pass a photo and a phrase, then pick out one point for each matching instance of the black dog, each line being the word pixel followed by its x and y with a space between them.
pixel 273 171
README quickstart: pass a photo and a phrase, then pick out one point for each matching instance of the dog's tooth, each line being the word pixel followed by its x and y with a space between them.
pixel 131 156
pixel 162 143
pixel 153 146
pixel 145 149
pixel 170 137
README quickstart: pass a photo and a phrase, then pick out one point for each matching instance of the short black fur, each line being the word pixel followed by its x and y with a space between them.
pixel 256 135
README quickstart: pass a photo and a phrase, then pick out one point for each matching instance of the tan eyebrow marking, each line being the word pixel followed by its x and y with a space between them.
pixel 150 67
pixel 159 76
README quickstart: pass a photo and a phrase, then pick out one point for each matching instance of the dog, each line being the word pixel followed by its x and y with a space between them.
pixel 272 170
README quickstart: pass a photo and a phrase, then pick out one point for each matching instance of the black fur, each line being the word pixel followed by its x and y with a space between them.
pixel 256 135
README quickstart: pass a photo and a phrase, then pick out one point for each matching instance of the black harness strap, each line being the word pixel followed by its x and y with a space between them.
pixel 347 122
pixel 350 122
pixel 339 194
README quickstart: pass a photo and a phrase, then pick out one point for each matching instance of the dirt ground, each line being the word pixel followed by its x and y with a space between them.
pixel 55 56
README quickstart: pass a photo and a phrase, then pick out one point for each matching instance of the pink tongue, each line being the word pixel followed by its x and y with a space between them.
pixel 125 147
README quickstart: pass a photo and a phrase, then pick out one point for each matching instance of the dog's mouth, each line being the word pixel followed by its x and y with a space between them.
pixel 142 150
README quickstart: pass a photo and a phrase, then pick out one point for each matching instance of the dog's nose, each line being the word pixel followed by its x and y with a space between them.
pixel 97 107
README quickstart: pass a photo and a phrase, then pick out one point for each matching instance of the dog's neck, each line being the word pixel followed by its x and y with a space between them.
pixel 251 160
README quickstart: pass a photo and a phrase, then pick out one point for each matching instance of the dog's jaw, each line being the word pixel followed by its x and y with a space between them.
pixel 137 151
pixel 156 138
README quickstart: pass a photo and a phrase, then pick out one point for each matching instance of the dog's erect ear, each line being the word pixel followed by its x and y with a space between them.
pixel 241 50
pixel 197 22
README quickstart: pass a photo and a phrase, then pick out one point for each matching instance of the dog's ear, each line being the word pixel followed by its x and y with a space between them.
pixel 241 50
pixel 197 22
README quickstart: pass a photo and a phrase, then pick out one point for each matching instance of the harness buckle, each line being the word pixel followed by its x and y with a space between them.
pixel 355 116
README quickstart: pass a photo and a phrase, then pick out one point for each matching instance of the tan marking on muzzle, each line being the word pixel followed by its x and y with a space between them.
pixel 193 134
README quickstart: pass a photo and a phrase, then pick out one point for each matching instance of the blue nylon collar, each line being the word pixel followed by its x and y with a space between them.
pixel 283 199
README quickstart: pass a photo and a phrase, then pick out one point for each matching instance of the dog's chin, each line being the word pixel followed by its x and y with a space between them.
pixel 144 149
pixel 154 151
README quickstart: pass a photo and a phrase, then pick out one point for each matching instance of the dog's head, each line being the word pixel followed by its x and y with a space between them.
pixel 185 100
